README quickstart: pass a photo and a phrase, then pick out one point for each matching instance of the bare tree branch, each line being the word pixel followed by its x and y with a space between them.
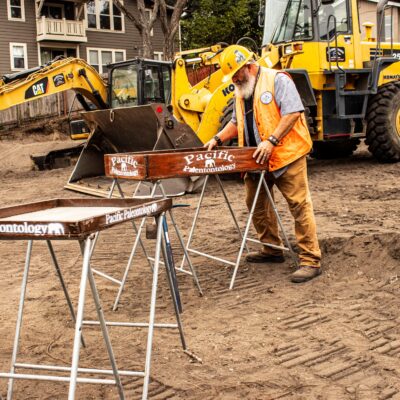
pixel 143 24
pixel 170 26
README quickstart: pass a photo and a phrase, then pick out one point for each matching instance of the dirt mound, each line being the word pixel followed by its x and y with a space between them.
pixel 45 129
pixel 335 338
pixel 376 256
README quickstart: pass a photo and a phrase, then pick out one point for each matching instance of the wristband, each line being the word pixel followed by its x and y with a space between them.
pixel 272 139
pixel 218 140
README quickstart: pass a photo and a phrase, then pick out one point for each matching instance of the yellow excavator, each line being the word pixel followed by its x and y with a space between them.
pixel 125 112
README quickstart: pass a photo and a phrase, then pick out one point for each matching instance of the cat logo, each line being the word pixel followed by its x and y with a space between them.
pixel 37 89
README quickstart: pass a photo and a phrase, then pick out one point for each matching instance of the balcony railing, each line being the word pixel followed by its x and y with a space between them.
pixel 60 29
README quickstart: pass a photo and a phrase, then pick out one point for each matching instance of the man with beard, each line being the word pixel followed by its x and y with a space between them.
pixel 269 115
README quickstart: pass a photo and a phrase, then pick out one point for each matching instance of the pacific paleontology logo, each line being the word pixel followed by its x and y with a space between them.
pixel 52 229
pixel 124 165
pixel 130 213
pixel 215 161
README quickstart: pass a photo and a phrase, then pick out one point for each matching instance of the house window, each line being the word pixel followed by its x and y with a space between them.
pixel 19 57
pixel 16 10
pixel 48 54
pixel 53 11
pixel 158 55
pixel 100 58
pixel 104 15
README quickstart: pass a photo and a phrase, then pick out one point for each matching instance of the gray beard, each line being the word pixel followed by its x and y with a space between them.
pixel 246 90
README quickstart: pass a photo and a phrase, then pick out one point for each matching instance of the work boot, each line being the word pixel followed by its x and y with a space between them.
pixel 260 257
pixel 305 273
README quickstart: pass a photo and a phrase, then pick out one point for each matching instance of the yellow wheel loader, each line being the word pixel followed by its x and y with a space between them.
pixel 350 86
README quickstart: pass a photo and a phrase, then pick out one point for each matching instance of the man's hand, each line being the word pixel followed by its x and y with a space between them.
pixel 210 144
pixel 263 152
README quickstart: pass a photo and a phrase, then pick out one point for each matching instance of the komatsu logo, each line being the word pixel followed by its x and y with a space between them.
pixel 228 89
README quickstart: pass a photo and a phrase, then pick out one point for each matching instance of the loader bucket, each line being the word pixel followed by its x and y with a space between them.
pixel 120 130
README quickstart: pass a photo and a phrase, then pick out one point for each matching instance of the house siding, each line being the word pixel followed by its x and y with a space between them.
pixel 130 40
pixel 25 32
pixel 17 32
pixel 367 11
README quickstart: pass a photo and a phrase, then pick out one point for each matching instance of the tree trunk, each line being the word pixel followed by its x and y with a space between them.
pixel 170 27
pixel 142 23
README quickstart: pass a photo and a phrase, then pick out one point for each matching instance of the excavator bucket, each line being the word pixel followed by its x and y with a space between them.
pixel 120 130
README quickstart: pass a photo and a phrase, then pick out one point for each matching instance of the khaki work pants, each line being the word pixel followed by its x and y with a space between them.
pixel 293 184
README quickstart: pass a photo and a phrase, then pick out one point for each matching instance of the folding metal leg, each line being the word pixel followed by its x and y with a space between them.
pixel 230 208
pixel 88 275
pixel 285 238
pixel 168 269
pixel 152 309
pixel 191 233
pixel 128 266
pixel 246 232
pixel 249 220
pixel 185 252
pixel 19 318
pixel 196 215
pixel 79 319
pixel 63 285
pixel 104 331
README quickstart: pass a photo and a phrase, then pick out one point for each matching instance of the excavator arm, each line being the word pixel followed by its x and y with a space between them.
pixel 55 77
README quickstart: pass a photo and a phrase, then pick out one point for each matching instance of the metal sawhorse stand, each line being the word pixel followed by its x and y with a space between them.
pixel 138 240
pixel 244 237
pixel 86 243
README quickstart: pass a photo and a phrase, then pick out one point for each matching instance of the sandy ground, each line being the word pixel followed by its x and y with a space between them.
pixel 337 337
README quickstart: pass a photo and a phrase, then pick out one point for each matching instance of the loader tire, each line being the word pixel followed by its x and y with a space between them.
pixel 226 114
pixel 334 149
pixel 225 118
pixel 383 123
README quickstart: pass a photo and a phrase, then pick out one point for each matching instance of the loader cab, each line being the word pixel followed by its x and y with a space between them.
pixel 305 20
pixel 139 81
pixel 314 35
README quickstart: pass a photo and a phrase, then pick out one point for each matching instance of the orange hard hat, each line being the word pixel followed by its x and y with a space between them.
pixel 232 59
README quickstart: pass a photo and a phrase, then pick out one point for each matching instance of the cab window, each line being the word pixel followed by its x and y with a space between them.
pixel 339 10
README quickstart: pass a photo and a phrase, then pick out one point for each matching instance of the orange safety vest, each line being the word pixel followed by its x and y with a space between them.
pixel 295 144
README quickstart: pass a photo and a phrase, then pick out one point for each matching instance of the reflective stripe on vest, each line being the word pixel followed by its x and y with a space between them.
pixel 295 144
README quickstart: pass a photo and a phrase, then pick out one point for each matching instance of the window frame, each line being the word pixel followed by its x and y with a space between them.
pixel 58 46
pixel 99 50
pixel 61 6
pixel 159 54
pixel 10 18
pixel 24 45
pixel 97 14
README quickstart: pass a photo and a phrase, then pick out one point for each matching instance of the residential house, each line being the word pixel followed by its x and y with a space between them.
pixel 391 23
pixel 33 32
